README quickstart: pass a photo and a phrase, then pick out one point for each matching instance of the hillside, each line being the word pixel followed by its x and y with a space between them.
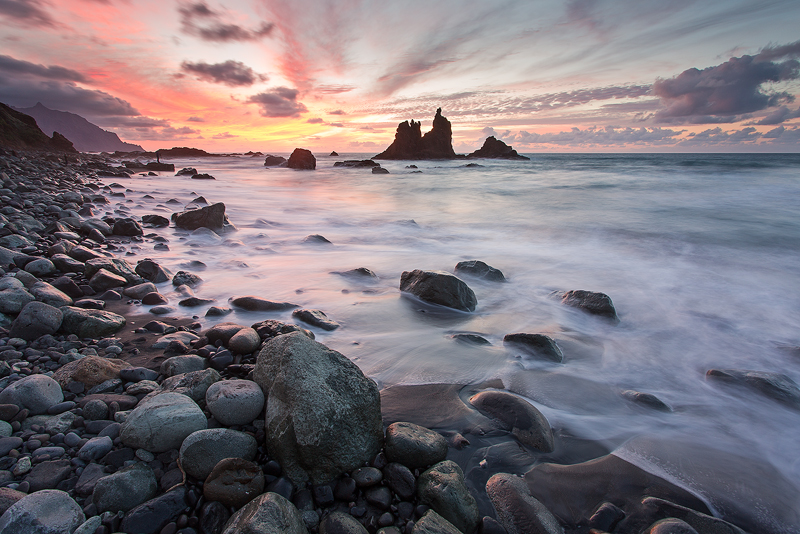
pixel 18 130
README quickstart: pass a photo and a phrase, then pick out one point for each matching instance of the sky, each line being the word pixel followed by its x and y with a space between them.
pixel 542 75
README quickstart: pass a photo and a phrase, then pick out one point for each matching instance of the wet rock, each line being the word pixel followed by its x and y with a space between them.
pixel 137 374
pixel 125 489
pixel 654 510
pixel 361 273
pixel 44 512
pixel 518 416
pixel 315 318
pixel 44 292
pixel 367 476
pixel 606 517
pixel 154 299
pixel 182 278
pixel 13 296
pixel 103 280
pixel 90 370
pixel 439 287
pixel 516 509
pixel 442 487
pixel 162 423
pixel 776 386
pixel 8 497
pixel 414 446
pixel 48 475
pixel 151 516
pixel 181 336
pixel 538 345
pixel 409 143
pixel 379 170
pixel 212 217
pixel 234 482
pixel 670 526
pixel 244 341
pixel 322 414
pixel 67 286
pixel 213 517
pixel 90 323
pixel 186 171
pixel 302 159
pixel 194 384
pixel 155 221
pixel 40 267
pixel 235 402
pixel 400 480
pixel 139 291
pixel 340 523
pixel 352 163
pixel 36 393
pixel 267 513
pixel 433 523
pixel 127 227
pixel 119 267
pixel 274 161
pixel 471 339
pixel 35 320
pixel 66 264
pixel 182 364
pixel 95 448
pixel 316 239
pixel 204 449
pixel 479 269
pixel 217 311
pixel 591 302
pixel 494 148
pixel 646 399
pixel 152 271
pixel 250 303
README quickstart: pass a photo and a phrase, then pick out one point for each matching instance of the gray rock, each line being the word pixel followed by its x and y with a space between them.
pixel 222 332
pixel 89 526
pixel 202 450
pixel 516 415
pixel 516 509
pixel 177 365
pixel 155 273
pixel 258 304
pixel 36 393
pixel 302 159
pixel 182 278
pixel 442 487
pixel 137 374
pixel 776 386
pixel 51 423
pixel 234 482
pixel 670 525
pixel 591 302
pixel 127 227
pixel 340 523
pixel 91 323
pixel 269 513
pixel 43 512
pixel 536 344
pixel 235 402
pixel 414 446
pixel 125 489
pixel 184 337
pixel 40 267
pixel 323 415
pixel 44 292
pixel 92 473
pixel 139 290
pixel 479 269
pixel 162 422
pixel 83 254
pixel 244 341
pixel 194 385
pixel 95 224
pixel 13 295
pixel 117 266
pixel 35 320
pixel 103 280
pixel 95 448
pixel 433 523
pixel 212 217
pixel 151 516
pixel 66 264
pixel 8 497
pixel 439 287
pixel 315 318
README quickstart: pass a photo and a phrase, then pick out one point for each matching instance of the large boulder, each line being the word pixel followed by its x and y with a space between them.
pixel 496 149
pixel 204 449
pixel 43 512
pixel 90 371
pixel 302 159
pixel 36 319
pixel 162 422
pixel 212 217
pixel 439 287
pixel 269 513
pixel 36 393
pixel 516 415
pixel 90 323
pixel 409 143
pixel 125 489
pixel 516 509
pixel 323 416
pixel 414 446
pixel 443 488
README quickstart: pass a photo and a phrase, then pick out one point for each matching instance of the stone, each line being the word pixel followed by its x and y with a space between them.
pixel 13 296
pixel 439 287
pixel 154 299
pixel 125 489
pixel 655 510
pixel 323 415
pixel 67 286
pixel 352 163
pixel 116 266
pixel 516 509
pixel 43 512
pixel 538 345
pixel 409 143
pixel 36 393
pixel 414 446
pixel 66 264
pixel 645 399
pixel 36 319
pixel 433 523
pixel 8 497
pixel 48 475
pixel 204 449
pixel 316 239
pixel 103 280
pixel 127 227
pixel 162 422
pixel 89 526
pixel 51 423
pixel 442 487
pixel 44 292
pixel 7 443
pixel 269 513
pixel 302 159
pixel 315 318
pixel 90 370
pixel 194 385
pixel 137 374
pixel 367 476
pixel 212 217
pixel 183 278
pixel 151 516
pixel 275 161
pixel 217 311
pixel 244 341
pixel 271 328
pixel 95 448
pixel 400 480
pixel 234 482
pixel 250 303
pixel 98 224
pixel 91 323
pixel 186 171
pixel 184 337
pixel 40 267
pixel 222 332
pixel 213 517
pixel 152 271
pixel 494 148
pixel 518 416
pixel 591 302
pixel 670 525
pixel 177 365
pixel 140 290
pixel 235 402
pixel 379 170
pixel 479 269
pixel 92 473
pixel 341 523
pixel 776 386
pixel 155 221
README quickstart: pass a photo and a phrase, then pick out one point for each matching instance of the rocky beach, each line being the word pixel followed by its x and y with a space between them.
pixel 121 412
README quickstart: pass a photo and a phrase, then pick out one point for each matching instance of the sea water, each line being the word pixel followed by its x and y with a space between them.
pixel 700 254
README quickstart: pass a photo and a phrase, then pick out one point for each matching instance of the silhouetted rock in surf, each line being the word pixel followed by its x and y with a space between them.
pixel 274 161
pixel 302 159
pixel 496 149
pixel 409 143
pixel 334 154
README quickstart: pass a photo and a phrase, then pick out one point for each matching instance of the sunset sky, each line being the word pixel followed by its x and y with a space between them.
pixel 543 75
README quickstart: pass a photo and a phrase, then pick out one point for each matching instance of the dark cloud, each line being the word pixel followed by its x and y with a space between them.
pixel 608 136
pixel 53 72
pixel 280 102
pixel 140 122
pixel 783 135
pixel 337 112
pixel 778 116
pixel 726 92
pixel 26 12
pixel 315 120
pixel 231 73
pixel 196 119
pixel 718 136
pixel 62 96
pixel 185 130
pixel 201 21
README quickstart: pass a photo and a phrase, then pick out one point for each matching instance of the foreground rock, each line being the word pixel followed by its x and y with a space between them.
pixel 409 143
pixel 538 345
pixel 516 509
pixel 302 159
pixel 479 269
pixel 443 488
pixel 268 514
pixel 439 287
pixel 516 415
pixel 90 323
pixel 43 512
pixel 776 386
pixel 323 415
pixel 591 302
pixel 212 217
pixel 494 148
pixel 414 446
pixel 35 393
pixel 162 422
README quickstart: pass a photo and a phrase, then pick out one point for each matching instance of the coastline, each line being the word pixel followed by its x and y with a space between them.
pixel 444 408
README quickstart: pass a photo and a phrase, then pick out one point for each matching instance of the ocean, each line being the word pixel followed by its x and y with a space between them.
pixel 700 254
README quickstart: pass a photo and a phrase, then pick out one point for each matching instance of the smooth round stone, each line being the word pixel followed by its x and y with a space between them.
pixel 43 512
pixel 182 364
pixel 234 482
pixel 137 374
pixel 444 489
pixel 367 476
pixel 213 517
pixel 95 410
pixel 52 452
pixel 40 267
pixel 125 489
pixel 95 448
pixel 72 439
pixel 8 411
pixel 400 480
pixel 9 443
pixel 162 423
pixel 5 429
pixel 235 402
pixel 37 393
pixel 244 341
pixel 35 320
pixel 201 451
pixel 61 407
pixel 414 446
pixel 154 299
pixel 340 523
pixel 161 310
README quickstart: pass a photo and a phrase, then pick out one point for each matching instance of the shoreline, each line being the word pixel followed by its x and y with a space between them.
pixel 442 407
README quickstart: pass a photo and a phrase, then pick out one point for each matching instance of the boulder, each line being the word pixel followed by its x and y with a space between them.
pixel 40 267
pixel 516 415
pixel 151 516
pixel 323 416
pixel 44 292
pixel 162 422
pixel 35 320
pixel 244 341
pixel 139 290
pixel 341 523
pixel 494 148
pixel 212 217
pixel 234 482
pixel 36 393
pixel 235 402
pixel 479 269
pixel 186 171
pixel 274 161
pixel 439 287
pixel 125 489
pixel 516 509
pixel 379 170
pixel 315 318
pixel 90 323
pixel 155 221
pixel 152 271
pixel 442 487
pixel 538 345
pixel 302 159
pixel 43 512
pixel 90 371
pixel 776 386
pixel 13 295
pixel 127 227
pixel 117 266
pixel 591 302
pixel 178 365
pixel 204 449
pixel 409 143
pixel 103 280
pixel 250 303
pixel 269 513
pixel 414 446
pixel 433 523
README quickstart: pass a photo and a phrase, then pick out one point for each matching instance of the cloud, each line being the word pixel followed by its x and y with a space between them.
pixel 333 89
pixel 315 120
pixel 185 130
pixel 280 102
pixel 201 21
pixel 26 12
pixel 224 135
pixel 231 73
pixel 52 72
pixel 196 119
pixel 778 116
pixel 783 135
pixel 62 96
pixel 608 136
pixel 132 122
pixel 725 92
pixel 337 124
pixel 718 136
pixel 337 112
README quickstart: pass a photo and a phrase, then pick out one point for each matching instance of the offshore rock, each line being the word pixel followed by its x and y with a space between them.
pixel 439 287
pixel 356 163
pixel 591 302
pixel 323 416
pixel 496 149
pixel 302 159
pixel 274 161
pixel 537 345
pixel 776 386
pixel 410 144
pixel 479 269
pixel 212 217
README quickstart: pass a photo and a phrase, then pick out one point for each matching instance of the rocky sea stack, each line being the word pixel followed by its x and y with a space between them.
pixel 494 148
pixel 409 143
